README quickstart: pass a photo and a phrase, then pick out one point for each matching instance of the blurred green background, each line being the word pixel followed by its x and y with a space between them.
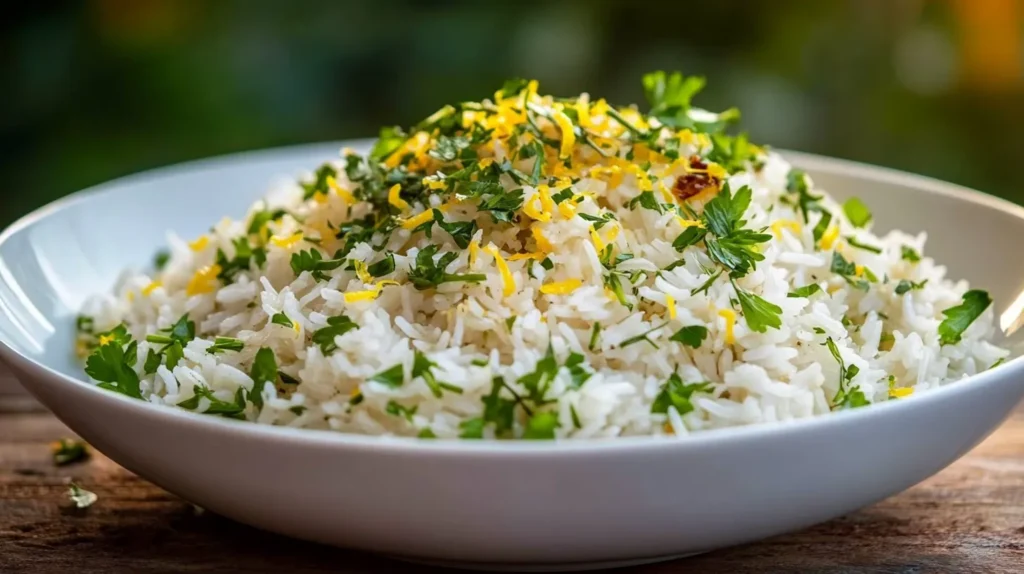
pixel 98 89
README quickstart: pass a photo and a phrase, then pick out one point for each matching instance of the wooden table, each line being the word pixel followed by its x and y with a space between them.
pixel 968 518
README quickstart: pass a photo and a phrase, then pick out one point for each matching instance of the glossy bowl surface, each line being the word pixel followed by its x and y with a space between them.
pixel 515 504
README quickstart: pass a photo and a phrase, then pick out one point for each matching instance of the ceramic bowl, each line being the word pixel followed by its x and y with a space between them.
pixel 495 504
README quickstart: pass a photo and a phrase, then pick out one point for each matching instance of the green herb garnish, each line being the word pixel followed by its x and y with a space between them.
pixel 691 336
pixel 858 213
pixel 336 327
pixel 69 450
pixel 960 317
pixel 676 393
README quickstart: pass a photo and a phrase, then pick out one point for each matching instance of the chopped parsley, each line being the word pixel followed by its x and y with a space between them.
pixel 858 213
pixel 461 231
pixel 421 367
pixel 854 243
pixel 727 242
pixel 798 184
pixel 848 271
pixel 69 450
pixel 383 267
pixel 908 253
pixel 314 262
pixel 398 410
pixel 336 327
pixel 759 313
pixel 595 336
pixel 691 336
pixel 846 397
pixel 281 319
pixel 428 273
pixel 221 344
pixel 960 317
pixel 263 371
pixel 472 428
pixel 676 393
pixel 319 182
pixel 575 364
pixel 160 259
pixel 230 409
pixel 81 497
pixel 541 426
pixel 112 363
pixel 645 336
pixel 805 291
pixel 393 377
pixel 906 285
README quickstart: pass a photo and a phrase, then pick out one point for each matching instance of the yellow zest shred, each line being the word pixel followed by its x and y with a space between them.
pixel 506 275
pixel 530 209
pixel 362 272
pixel 546 203
pixel 204 280
pixel 642 181
pixel 485 162
pixel 596 238
pixel 684 223
pixel 200 243
pixel 433 184
pixel 568 207
pixel 900 392
pixel 561 287
pixel 419 219
pixel 395 199
pixel 858 270
pixel 153 285
pixel 613 233
pixel 286 242
pixel 583 112
pixel 666 193
pixel 829 237
pixel 568 136
pixel 130 296
pixel 780 224
pixel 368 294
pixel 320 197
pixel 716 171
pixel 542 242
pixel 341 191
pixel 670 304
pixel 474 251
pixel 104 339
pixel 668 428
pixel 730 322
pixel 536 255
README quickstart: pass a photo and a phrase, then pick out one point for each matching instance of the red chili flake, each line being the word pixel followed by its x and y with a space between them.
pixel 691 184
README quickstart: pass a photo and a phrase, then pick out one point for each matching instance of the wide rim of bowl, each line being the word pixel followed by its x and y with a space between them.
pixel 454 447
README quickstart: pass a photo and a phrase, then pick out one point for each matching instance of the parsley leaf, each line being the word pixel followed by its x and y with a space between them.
pixel 112 363
pixel 396 409
pixel 503 205
pixel 908 253
pixel 472 428
pixel 676 393
pixel 314 262
pixel 733 247
pixel 848 271
pixel 388 142
pixel 904 286
pixel 393 377
pixel 461 231
pixel 282 319
pixel 319 182
pixel 691 336
pixel 805 291
pixel 541 426
pixel 858 213
pixel 221 344
pixel 427 273
pixel 759 313
pixel 854 243
pixel 575 363
pixel 798 183
pixel 234 409
pixel 383 267
pixel 69 450
pixel 336 327
pixel 845 397
pixel 960 317
pixel 539 381
pixel 421 367
pixel 263 371
pixel 499 410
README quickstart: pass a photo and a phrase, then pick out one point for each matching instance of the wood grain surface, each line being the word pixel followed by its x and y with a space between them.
pixel 968 518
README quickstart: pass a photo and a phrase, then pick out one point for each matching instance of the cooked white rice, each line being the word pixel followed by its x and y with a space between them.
pixel 503 325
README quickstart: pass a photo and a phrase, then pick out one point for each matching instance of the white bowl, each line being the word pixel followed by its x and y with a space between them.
pixel 524 504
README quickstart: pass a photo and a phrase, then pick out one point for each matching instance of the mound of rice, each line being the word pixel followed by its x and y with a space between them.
pixel 534 267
